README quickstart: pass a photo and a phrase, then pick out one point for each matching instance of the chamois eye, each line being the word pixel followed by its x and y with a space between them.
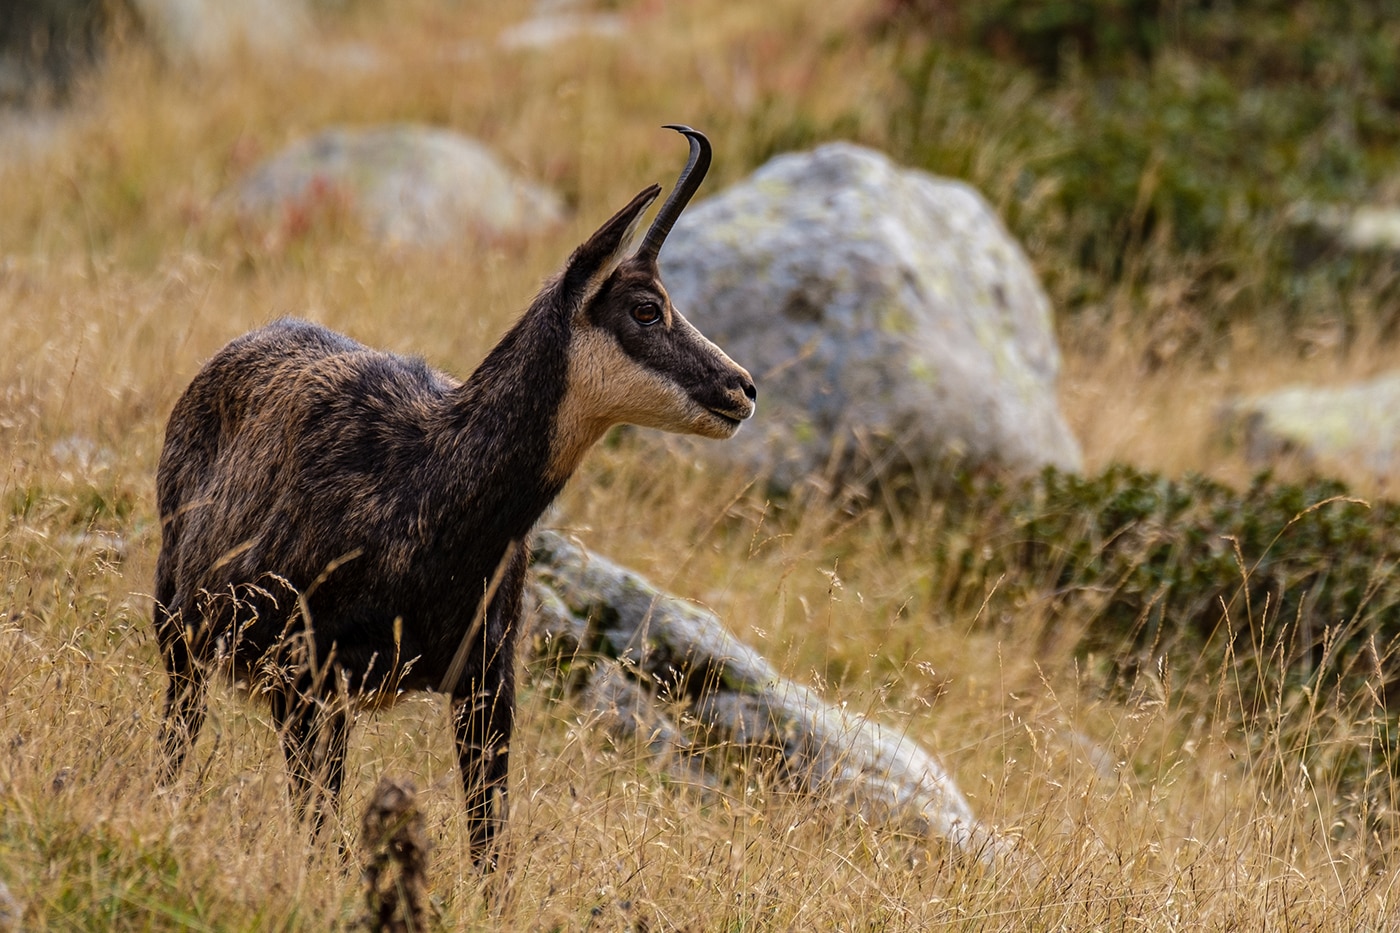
pixel 647 313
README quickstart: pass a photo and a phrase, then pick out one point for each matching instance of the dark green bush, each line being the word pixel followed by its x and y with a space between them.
pixel 1108 130
pixel 1300 578
pixel 1258 41
pixel 1040 33
pixel 46 44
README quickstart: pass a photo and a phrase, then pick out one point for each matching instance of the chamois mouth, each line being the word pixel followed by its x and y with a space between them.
pixel 730 419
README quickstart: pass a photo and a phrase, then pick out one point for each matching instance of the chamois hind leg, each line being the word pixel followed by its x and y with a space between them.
pixel 314 734
pixel 185 693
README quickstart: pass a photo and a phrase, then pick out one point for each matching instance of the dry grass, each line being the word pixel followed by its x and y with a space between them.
pixel 117 277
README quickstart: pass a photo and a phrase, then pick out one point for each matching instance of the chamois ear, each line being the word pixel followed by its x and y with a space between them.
pixel 592 263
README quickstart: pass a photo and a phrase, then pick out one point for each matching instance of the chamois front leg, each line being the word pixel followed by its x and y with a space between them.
pixel 483 712
pixel 314 734
pixel 483 718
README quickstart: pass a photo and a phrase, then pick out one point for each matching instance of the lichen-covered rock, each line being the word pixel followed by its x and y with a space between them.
pixel 648 645
pixel 407 185
pixel 888 318
pixel 1356 425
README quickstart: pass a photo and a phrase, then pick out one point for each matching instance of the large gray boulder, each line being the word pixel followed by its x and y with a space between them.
pixel 889 319
pixel 407 185
pixel 1356 425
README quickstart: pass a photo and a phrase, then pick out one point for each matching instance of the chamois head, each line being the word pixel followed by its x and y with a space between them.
pixel 633 358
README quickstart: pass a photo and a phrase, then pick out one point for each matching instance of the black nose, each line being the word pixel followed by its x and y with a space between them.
pixel 750 391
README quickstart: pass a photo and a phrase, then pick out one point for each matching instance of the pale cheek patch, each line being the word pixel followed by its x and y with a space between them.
pixel 607 387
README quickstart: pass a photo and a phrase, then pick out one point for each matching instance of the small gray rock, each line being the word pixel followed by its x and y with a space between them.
pixel 29 135
pixel 11 911
pixel 204 32
pixel 1358 425
pixel 887 316
pixel 408 185
pixel 548 30
pixel 1361 227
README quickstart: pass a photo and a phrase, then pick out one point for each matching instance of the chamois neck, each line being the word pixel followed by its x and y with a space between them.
pixel 501 426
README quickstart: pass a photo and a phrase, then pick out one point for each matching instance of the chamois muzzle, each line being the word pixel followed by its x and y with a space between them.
pixel 729 397
pixel 740 401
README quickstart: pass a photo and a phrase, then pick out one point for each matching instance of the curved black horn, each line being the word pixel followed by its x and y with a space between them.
pixel 691 177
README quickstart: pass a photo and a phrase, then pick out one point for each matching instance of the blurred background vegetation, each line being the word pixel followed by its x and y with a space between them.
pixel 1137 147
pixel 1190 130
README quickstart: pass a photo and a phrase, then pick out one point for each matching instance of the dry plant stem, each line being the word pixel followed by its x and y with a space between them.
pixel 395 873
pixel 670 648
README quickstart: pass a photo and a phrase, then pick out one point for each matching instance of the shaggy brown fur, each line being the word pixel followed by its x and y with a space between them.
pixel 340 524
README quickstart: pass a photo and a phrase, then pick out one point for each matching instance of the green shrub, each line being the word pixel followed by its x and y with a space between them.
pixel 1259 41
pixel 1302 572
pixel 1272 613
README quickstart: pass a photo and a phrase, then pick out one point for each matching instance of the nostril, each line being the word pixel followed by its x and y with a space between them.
pixel 751 391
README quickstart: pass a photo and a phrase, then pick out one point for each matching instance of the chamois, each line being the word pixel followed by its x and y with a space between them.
pixel 339 523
